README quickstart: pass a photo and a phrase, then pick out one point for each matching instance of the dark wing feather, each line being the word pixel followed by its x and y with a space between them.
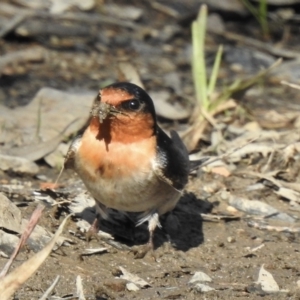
pixel 173 159
pixel 194 164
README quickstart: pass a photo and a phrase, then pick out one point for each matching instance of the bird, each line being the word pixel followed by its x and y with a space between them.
pixel 126 161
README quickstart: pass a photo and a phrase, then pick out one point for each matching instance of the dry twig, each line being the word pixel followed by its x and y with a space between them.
pixel 50 289
pixel 261 226
pixel 29 228
pixel 79 288
pixel 11 282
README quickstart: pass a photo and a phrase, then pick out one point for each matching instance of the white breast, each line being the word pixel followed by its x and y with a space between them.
pixel 138 191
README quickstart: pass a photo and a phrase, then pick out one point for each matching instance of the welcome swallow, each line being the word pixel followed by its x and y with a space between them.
pixel 125 159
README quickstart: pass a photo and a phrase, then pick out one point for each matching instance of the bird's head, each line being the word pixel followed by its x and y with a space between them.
pixel 124 112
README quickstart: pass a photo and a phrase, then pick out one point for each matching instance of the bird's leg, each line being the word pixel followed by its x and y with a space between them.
pixel 102 213
pixel 93 230
pixel 153 222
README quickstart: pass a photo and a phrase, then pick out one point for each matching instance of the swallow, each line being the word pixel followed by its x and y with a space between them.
pixel 126 161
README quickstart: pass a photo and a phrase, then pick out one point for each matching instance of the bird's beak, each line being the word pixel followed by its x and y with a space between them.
pixel 103 111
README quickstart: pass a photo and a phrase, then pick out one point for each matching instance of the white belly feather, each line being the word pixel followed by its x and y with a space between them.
pixel 139 192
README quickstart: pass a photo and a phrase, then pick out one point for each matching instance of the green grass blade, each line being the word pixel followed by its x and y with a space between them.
pixel 199 67
pixel 240 85
pixel 260 13
pixel 263 17
pixel 215 72
pixel 195 64
pixel 251 8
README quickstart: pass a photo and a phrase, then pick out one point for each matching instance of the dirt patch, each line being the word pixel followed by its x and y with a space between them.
pixel 187 244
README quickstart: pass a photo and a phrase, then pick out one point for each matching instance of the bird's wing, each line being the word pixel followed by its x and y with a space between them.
pixel 172 160
pixel 194 164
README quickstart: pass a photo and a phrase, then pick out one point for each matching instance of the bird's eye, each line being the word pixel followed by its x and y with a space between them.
pixel 133 105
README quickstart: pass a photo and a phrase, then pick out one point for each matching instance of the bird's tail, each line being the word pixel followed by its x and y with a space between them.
pixel 194 164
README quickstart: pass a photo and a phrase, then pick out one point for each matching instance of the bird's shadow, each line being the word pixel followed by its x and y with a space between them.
pixel 182 226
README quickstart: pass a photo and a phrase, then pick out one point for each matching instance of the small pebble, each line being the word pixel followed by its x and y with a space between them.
pixel 231 209
pixel 132 287
pixel 224 195
pixel 116 272
pixel 231 239
pixel 202 288
pixel 42 177
pixel 200 277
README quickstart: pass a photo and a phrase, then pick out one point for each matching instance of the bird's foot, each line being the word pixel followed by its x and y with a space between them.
pixel 93 231
pixel 141 251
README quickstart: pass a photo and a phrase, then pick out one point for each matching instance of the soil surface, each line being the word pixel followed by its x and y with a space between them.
pixel 228 249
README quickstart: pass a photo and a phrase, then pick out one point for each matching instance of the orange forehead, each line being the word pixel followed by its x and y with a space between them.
pixel 114 96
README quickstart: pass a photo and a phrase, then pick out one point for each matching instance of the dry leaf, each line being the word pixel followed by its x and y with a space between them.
pixel 79 288
pixel 126 12
pixel 165 109
pixel 49 185
pixel 130 286
pixel 11 282
pixel 249 149
pixel 133 278
pixel 57 157
pixel 271 119
pixel 59 6
pixel 221 171
pixel 267 282
pixel 10 215
pixel 18 165
pixel 127 72
pixel 200 277
pixel 48 114
pixel 288 194
pixel 257 207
